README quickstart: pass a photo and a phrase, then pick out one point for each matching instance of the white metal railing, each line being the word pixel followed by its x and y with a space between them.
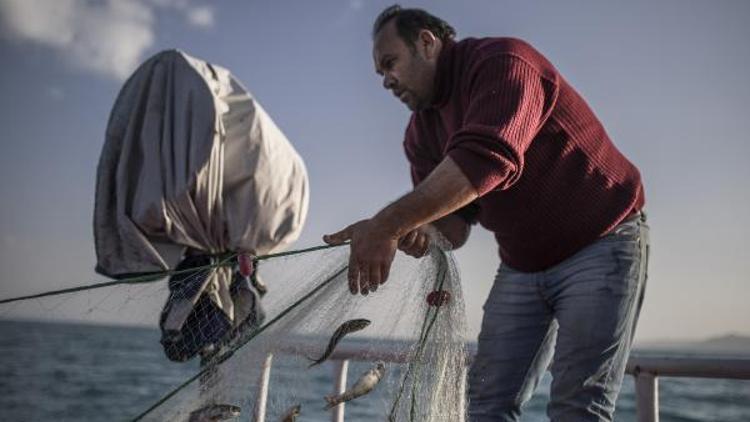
pixel 648 369
pixel 645 369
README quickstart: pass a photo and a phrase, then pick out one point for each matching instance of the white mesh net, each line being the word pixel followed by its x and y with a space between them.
pixel 420 344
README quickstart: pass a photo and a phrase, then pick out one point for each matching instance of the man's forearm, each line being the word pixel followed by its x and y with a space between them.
pixel 445 190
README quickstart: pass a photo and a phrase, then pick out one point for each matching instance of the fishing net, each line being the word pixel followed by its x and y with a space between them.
pixel 263 369
pixel 192 167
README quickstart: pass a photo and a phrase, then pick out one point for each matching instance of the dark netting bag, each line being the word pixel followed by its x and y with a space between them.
pixel 191 323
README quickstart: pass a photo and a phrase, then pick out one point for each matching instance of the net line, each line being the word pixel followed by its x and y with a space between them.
pixel 226 355
pixel 225 261
pixel 413 368
pixel 414 392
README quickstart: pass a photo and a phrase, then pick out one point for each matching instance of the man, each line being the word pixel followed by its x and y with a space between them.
pixel 497 135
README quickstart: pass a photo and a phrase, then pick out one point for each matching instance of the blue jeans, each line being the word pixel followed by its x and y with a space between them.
pixel 584 310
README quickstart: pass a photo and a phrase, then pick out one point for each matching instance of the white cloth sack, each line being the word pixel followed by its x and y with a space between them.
pixel 192 160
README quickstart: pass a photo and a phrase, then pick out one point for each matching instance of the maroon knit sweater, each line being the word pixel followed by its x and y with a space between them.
pixel 549 178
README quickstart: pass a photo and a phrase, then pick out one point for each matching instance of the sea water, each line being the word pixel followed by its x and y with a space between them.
pixel 73 372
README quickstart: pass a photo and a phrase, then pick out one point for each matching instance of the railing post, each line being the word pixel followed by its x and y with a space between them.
pixel 647 397
pixel 339 379
pixel 462 397
pixel 260 403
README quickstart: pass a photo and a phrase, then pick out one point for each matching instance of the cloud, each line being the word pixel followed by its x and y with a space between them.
pixel 198 16
pixel 202 17
pixel 108 37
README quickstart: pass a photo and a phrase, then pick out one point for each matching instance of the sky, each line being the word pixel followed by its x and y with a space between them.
pixel 668 79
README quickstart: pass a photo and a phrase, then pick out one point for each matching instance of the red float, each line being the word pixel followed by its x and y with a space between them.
pixel 438 298
pixel 246 264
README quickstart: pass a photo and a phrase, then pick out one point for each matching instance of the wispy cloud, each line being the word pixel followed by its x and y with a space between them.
pixel 198 16
pixel 107 37
pixel 202 17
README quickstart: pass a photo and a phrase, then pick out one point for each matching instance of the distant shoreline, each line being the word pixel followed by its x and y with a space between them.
pixel 730 345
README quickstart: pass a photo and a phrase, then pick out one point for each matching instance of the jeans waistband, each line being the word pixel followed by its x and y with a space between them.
pixel 635 216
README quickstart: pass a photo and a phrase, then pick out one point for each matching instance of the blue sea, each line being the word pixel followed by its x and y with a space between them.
pixel 73 372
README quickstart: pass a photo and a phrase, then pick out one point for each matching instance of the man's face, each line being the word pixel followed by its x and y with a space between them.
pixel 407 72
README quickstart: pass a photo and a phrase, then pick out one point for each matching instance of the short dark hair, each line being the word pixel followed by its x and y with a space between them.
pixel 410 21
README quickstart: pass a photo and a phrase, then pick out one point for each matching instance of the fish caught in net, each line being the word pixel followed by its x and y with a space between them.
pixel 419 344
pixel 413 342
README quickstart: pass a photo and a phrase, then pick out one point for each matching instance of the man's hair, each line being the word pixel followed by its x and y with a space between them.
pixel 410 21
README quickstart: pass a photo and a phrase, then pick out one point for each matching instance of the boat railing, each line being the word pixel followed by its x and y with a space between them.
pixel 646 369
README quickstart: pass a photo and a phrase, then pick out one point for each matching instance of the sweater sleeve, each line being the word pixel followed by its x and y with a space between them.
pixel 505 109
pixel 422 164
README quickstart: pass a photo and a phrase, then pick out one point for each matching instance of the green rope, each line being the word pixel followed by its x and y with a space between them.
pixel 148 278
pixel 298 251
pixel 151 277
pixel 420 352
pixel 413 367
pixel 239 345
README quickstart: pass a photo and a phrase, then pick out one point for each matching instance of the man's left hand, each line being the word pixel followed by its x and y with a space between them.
pixel 371 254
pixel 416 243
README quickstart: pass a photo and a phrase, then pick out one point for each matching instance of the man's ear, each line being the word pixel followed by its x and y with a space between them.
pixel 429 43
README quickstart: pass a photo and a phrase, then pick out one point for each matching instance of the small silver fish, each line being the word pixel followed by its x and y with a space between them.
pixel 364 385
pixel 348 327
pixel 214 413
pixel 292 413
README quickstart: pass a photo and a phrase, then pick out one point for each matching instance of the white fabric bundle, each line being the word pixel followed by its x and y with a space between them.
pixel 192 160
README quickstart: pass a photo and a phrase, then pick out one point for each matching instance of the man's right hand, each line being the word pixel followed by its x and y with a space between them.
pixel 416 243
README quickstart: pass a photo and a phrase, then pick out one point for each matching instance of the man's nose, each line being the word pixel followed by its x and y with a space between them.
pixel 388 82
